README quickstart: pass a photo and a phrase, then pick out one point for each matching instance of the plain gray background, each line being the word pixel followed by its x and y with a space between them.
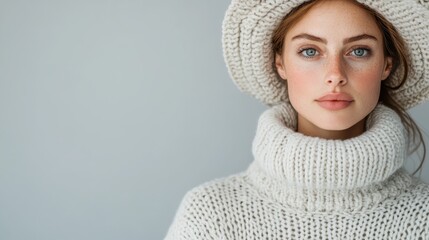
pixel 111 111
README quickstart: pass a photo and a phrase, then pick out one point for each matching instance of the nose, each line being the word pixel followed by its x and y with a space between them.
pixel 336 74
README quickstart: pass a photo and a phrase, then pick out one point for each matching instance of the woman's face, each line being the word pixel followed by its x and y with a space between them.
pixel 333 62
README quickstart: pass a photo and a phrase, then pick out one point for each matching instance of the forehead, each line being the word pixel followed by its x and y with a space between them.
pixel 332 18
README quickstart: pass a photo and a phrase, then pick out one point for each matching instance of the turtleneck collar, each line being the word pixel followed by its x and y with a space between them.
pixel 315 174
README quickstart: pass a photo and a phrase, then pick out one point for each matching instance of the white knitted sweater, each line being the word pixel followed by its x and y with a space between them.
pixel 301 187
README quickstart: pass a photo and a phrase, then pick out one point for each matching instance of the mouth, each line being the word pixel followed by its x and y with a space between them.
pixel 335 101
pixel 336 97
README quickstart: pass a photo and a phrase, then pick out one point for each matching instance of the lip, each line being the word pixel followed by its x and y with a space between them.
pixel 336 97
pixel 335 101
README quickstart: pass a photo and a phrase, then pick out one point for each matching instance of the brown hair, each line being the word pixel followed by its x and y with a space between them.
pixel 394 46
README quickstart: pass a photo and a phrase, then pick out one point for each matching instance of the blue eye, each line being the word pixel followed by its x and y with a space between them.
pixel 309 52
pixel 360 52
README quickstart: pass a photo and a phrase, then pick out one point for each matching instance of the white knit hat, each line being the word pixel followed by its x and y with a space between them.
pixel 247 33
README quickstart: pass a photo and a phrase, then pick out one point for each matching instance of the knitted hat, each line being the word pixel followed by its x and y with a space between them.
pixel 249 24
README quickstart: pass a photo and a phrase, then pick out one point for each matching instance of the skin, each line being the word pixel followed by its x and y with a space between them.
pixel 336 47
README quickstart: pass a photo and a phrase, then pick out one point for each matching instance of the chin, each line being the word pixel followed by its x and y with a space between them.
pixel 337 125
pixel 334 128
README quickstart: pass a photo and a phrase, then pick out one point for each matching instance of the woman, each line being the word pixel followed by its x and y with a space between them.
pixel 329 153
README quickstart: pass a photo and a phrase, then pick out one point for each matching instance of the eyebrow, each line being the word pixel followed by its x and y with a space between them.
pixel 309 37
pixel 359 37
pixel 322 40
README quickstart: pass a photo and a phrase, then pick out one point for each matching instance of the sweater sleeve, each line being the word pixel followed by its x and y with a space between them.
pixel 194 218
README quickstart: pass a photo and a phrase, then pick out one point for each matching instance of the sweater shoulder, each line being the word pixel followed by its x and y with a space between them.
pixel 411 206
pixel 216 192
pixel 198 214
pixel 417 193
pixel 219 184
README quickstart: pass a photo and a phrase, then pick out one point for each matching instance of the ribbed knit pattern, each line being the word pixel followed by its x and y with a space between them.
pixel 301 187
pixel 247 33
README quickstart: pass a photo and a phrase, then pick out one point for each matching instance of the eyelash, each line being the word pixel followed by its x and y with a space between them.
pixel 367 54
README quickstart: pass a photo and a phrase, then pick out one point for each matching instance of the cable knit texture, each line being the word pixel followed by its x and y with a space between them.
pixel 301 187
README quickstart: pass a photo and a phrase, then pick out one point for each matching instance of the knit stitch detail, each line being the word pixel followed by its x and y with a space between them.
pixel 296 159
pixel 232 209
pixel 301 187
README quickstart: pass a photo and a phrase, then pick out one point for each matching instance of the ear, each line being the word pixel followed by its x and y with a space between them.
pixel 388 64
pixel 279 66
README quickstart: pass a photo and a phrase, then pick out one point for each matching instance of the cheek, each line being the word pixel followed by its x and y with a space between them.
pixel 367 84
pixel 303 79
pixel 300 83
pixel 302 75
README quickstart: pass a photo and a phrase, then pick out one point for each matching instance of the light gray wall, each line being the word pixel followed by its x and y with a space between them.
pixel 110 111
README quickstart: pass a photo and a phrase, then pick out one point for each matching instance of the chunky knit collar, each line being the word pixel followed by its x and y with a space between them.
pixel 315 174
